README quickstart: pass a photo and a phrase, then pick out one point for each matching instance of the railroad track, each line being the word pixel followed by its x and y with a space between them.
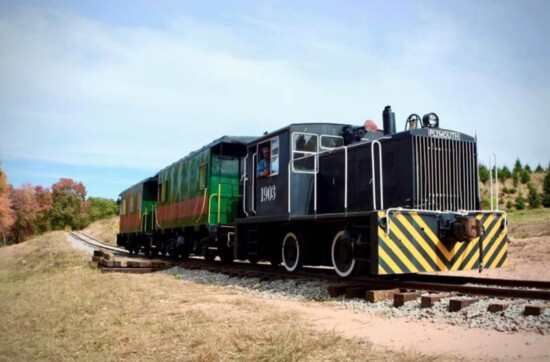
pixel 98 244
pixel 426 283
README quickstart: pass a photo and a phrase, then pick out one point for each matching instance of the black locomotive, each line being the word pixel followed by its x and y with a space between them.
pixel 355 198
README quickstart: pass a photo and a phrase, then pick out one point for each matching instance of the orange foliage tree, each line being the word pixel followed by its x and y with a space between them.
pixel 6 217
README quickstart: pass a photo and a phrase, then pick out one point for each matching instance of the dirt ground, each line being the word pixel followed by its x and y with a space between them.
pixel 528 258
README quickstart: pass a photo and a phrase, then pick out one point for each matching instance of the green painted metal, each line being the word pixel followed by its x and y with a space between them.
pixel 202 182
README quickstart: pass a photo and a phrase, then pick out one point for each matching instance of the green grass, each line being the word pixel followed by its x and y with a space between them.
pixel 529 215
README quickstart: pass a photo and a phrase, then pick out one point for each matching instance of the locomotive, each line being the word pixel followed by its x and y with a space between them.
pixel 355 198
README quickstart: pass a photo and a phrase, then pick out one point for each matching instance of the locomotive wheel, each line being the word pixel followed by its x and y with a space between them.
pixel 342 255
pixel 292 252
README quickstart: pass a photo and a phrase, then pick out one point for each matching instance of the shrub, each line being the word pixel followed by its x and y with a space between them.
pixel 520 202
pixel 509 205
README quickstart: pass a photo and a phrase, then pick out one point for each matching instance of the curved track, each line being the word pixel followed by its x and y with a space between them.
pixel 508 288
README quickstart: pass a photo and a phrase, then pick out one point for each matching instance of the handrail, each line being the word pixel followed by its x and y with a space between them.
pixel 244 178
pixel 220 200
pixel 219 195
pixel 316 171
pixel 289 188
pixel 374 143
pixel 253 202
pixel 203 203
pixel 157 219
pixel 209 207
pixel 491 166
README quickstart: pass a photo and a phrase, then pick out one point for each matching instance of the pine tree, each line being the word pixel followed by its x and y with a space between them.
pixel 483 174
pixel 546 188
pixel 527 168
pixel 504 173
pixel 525 176
pixel 517 167
pixel 539 169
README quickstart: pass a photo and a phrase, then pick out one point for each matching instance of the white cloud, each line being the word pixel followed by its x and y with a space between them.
pixel 79 91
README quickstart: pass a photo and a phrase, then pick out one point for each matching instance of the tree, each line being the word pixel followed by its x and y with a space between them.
pixel 69 206
pixel 515 179
pixel 534 197
pixel 525 176
pixel 483 174
pixel 539 169
pixel 45 204
pixel 546 188
pixel 24 209
pixel 101 208
pixel 517 167
pixel 504 173
pixel 6 217
pixel 527 168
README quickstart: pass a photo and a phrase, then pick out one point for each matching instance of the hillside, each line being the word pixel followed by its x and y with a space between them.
pixel 104 230
pixel 509 192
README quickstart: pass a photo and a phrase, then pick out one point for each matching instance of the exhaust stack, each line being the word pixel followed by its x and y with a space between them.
pixel 389 121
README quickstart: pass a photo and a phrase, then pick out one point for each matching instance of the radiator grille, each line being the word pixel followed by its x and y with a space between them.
pixel 445 174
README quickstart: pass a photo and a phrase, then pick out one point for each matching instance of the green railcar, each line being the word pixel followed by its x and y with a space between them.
pixel 198 200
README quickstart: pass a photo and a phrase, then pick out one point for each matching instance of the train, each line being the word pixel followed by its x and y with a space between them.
pixel 358 199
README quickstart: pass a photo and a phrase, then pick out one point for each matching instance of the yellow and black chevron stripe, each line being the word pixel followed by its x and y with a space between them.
pixel 412 244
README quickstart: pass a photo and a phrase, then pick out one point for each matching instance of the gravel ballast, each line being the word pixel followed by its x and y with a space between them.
pixel 473 316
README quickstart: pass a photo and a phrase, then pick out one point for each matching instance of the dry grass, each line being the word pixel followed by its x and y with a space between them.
pixel 104 230
pixel 54 308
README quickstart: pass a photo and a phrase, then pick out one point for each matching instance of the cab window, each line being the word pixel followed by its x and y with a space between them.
pixel 330 142
pixel 268 158
pixel 304 149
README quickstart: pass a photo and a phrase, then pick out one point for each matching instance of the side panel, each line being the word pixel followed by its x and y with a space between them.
pixel 185 204
pixel 224 189
pixel 130 218
pixel 410 244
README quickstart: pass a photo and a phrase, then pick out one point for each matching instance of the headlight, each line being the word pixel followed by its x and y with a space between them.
pixel 430 120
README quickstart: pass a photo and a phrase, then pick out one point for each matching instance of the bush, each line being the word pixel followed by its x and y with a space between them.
pixel 509 205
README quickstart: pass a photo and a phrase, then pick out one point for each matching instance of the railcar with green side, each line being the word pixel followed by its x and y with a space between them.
pixel 198 201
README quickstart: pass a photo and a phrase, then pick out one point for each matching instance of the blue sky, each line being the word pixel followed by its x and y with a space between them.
pixel 109 92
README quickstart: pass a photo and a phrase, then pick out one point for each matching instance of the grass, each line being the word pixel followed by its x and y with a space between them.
pixel 529 222
pixel 54 308
pixel 104 230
